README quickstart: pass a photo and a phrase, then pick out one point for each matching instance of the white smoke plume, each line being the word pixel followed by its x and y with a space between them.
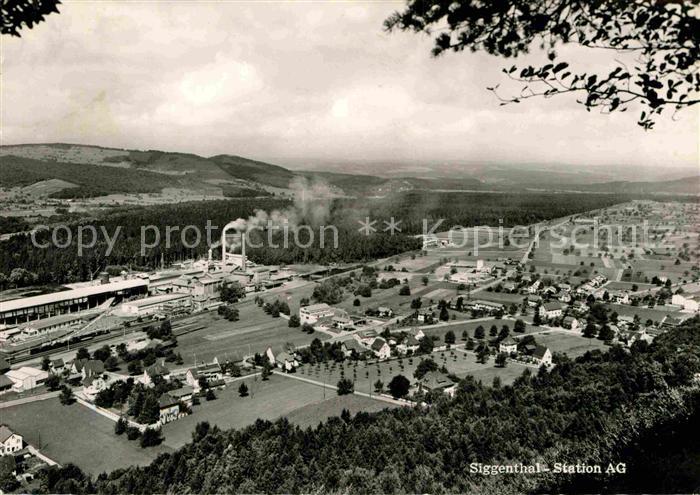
pixel 311 206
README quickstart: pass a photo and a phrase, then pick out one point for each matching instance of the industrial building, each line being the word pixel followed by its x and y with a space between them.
pixel 25 309
pixel 311 314
pixel 26 378
pixel 157 304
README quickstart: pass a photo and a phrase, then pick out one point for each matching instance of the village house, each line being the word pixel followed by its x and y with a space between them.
pixel 169 408
pixel 385 312
pixel 57 366
pixel 10 442
pixel 6 384
pixel 380 348
pixel 94 384
pixel 311 314
pixel 154 372
pixel 351 345
pixel 508 345
pixel 367 336
pixel 409 344
pixel 488 306
pixel 685 303
pixel 570 322
pixel 551 310
pixel 183 394
pixel 535 287
pixel 437 381
pixel 542 355
pixel 211 372
pixel 534 301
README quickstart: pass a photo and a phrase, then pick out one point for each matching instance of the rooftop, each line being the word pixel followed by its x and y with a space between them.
pixel 55 297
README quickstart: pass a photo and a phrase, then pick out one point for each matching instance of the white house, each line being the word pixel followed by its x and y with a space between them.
pixel 311 314
pixel 551 310
pixel 92 385
pixel 686 303
pixel 212 372
pixel 380 348
pixel 508 345
pixel 10 442
pixel 169 408
pixel 542 355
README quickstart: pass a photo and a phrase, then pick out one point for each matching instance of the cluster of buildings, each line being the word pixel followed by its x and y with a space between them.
pixel 534 353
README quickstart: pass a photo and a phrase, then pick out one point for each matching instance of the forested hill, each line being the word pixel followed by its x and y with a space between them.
pixel 611 407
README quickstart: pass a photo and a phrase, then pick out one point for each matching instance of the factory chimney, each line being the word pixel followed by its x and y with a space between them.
pixel 243 258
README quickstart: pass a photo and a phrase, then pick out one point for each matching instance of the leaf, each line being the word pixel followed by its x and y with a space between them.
pixel 561 66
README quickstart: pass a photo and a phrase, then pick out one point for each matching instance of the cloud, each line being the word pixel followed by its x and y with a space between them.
pixel 297 83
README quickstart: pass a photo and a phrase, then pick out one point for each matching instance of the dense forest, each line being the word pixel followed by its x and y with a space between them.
pixel 615 407
pixel 91 180
pixel 64 264
pixel 56 264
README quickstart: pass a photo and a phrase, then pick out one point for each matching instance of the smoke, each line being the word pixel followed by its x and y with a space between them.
pixel 312 206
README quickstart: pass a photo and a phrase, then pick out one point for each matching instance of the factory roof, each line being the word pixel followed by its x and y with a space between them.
pixel 55 297
pixel 147 301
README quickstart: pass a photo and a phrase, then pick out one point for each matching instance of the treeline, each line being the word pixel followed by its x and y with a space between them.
pixel 601 408
pixel 54 264
pixel 91 180
pixel 474 208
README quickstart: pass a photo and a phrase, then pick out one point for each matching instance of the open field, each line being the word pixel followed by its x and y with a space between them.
pixel 254 332
pixel 571 345
pixel 77 435
pixel 366 374
pixel 313 414
pixel 644 313
pixel 269 400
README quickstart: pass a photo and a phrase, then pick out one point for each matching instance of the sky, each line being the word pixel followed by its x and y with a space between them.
pixel 301 84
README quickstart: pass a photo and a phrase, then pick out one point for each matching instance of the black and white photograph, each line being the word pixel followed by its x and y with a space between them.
pixel 350 247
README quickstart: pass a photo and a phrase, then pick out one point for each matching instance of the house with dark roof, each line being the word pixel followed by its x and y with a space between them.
pixel 57 366
pixel 437 381
pixel 169 408
pixel 380 348
pixel 5 384
pixel 351 345
pixel 4 366
pixel 212 372
pixel 93 384
pixel 10 442
pixel 542 355
pixel 154 372
pixel 183 394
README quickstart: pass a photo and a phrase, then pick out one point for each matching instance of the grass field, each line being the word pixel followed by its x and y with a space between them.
pixel 313 414
pixel 269 400
pixel 254 332
pixel 364 375
pixel 644 313
pixel 571 345
pixel 77 435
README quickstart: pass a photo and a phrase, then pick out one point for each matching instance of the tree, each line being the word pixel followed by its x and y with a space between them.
pixel 590 330
pixel 660 41
pixel 210 395
pixel 405 290
pixel 45 363
pixel 606 334
pixel 450 337
pixel 294 321
pixel 150 413
pixel 444 314
pixel 378 386
pixel 345 386
pixel 53 382
pixel 266 372
pixel 18 14
pixel 231 292
pixel 151 437
pixel 493 331
pixel 425 366
pixel 482 354
pixel 356 302
pixel 501 359
pixel 82 353
pixel 111 363
pixel 243 390
pixel 519 326
pixel 479 332
pixel 399 386
pixel 425 280
pixel 120 426
pixel 66 396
